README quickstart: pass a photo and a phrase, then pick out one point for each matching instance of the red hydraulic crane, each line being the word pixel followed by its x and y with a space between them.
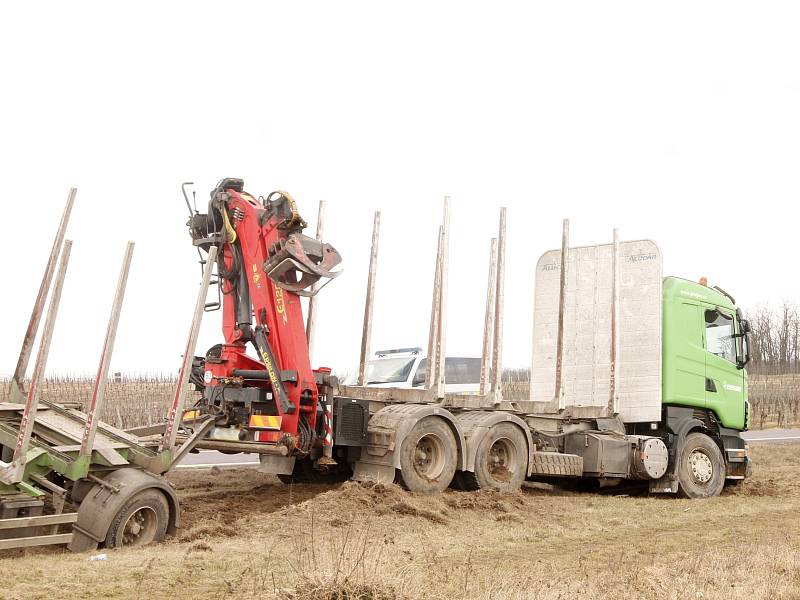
pixel 265 264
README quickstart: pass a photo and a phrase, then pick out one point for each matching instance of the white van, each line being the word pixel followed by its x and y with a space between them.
pixel 407 368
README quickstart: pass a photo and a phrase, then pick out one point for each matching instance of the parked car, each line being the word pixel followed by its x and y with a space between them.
pixel 408 367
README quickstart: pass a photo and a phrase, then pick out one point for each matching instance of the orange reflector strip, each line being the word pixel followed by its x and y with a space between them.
pixel 266 421
pixel 267 436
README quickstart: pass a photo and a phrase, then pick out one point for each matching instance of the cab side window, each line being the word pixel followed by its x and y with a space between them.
pixel 421 373
pixel 719 335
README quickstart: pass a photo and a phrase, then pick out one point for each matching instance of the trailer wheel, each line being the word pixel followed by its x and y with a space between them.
pixel 142 520
pixel 701 467
pixel 500 460
pixel 428 456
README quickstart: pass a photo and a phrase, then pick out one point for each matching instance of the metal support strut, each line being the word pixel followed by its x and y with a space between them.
pixel 488 321
pixel 441 329
pixel 558 395
pixel 171 432
pixel 366 333
pixel 497 346
pixel 311 321
pixel 17 394
pixel 13 473
pixel 98 393
pixel 613 407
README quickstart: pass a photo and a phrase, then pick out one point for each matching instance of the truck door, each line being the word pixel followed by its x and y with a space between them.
pixel 724 381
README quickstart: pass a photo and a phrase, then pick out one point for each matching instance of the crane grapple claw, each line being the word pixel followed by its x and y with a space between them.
pixel 298 262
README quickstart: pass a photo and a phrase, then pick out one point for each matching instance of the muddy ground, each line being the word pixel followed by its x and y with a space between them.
pixel 246 535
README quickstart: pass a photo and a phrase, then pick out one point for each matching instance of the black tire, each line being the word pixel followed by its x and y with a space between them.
pixel 501 460
pixel 142 520
pixel 428 456
pixel 701 467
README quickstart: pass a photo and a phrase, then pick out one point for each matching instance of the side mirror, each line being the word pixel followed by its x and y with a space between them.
pixel 742 348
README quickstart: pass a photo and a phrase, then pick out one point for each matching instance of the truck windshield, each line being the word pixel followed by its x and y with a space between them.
pixel 389 370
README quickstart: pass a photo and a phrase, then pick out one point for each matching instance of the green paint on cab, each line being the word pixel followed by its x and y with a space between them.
pixel 703 352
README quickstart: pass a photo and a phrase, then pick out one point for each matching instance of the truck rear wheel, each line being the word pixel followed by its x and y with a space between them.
pixel 428 456
pixel 142 520
pixel 500 460
pixel 701 467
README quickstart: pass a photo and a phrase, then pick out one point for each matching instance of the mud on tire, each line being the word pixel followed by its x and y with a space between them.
pixel 501 460
pixel 142 520
pixel 428 456
pixel 701 467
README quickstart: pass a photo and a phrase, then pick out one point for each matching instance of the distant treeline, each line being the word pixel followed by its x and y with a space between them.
pixel 774 340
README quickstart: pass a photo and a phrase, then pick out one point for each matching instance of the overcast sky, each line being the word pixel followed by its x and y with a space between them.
pixel 678 122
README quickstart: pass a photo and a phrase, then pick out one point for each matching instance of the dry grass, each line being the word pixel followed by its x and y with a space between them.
pixel 247 536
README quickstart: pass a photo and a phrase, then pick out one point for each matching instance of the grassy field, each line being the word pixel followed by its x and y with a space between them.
pixel 245 535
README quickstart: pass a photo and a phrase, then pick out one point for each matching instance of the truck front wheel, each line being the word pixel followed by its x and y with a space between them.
pixel 428 456
pixel 701 467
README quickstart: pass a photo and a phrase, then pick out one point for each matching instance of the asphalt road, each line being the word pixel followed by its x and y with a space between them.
pixel 211 458
pixel 772 435
pixel 206 459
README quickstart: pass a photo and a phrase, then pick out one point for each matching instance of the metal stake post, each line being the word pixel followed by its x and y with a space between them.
pixel 312 301
pixel 98 393
pixel 614 374
pixel 558 398
pixel 15 472
pixel 366 333
pixel 16 393
pixel 441 336
pixel 171 432
pixel 497 346
pixel 430 375
pixel 488 325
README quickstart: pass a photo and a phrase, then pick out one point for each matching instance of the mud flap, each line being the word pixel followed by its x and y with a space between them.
pixel 365 471
pixel 276 465
pixel 385 434
pixel 102 502
pixel 666 485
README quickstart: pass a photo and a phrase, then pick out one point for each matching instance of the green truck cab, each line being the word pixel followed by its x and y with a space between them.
pixel 704 385
pixel 705 352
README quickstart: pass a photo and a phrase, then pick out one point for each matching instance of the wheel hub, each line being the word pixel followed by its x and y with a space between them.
pixel 429 458
pixel 501 460
pixel 700 466
pixel 140 528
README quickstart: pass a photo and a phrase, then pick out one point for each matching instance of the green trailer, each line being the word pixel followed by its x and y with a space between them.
pixel 51 450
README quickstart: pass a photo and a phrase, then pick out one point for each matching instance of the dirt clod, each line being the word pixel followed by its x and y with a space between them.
pixel 406 508
pixel 200 546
